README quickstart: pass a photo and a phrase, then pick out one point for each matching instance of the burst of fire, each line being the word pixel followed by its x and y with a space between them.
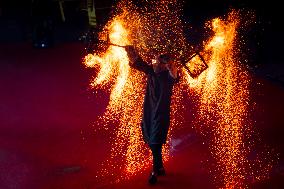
pixel 225 97
pixel 222 88
pixel 126 98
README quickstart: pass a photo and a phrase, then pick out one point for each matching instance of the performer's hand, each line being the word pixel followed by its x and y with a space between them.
pixel 155 61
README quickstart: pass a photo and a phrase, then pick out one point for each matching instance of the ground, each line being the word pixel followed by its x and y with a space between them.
pixel 47 137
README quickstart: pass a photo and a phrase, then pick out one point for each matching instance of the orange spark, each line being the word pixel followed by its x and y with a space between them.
pixel 222 88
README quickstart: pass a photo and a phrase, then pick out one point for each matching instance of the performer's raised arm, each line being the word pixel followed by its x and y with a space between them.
pixel 136 61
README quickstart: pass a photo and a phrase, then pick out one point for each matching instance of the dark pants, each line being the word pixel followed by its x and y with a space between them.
pixel 157 156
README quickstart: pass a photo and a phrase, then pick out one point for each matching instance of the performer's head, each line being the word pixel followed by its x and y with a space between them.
pixel 164 58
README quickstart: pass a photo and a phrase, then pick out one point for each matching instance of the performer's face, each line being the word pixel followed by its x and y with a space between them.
pixel 160 60
pixel 157 63
pixel 164 58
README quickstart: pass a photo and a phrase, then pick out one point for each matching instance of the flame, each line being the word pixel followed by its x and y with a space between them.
pixel 126 99
pixel 222 89
pixel 225 97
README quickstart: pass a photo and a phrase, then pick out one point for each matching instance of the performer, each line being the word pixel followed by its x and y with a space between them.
pixel 161 76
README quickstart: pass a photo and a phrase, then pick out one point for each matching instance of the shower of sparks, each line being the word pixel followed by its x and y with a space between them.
pixel 222 88
pixel 223 114
pixel 224 97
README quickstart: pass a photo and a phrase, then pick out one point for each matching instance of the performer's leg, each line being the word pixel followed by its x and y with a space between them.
pixel 157 156
pixel 158 168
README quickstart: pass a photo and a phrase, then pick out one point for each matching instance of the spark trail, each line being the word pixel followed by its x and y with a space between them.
pixel 223 89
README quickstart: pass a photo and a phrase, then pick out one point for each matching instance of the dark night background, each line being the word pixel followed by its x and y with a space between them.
pixel 265 37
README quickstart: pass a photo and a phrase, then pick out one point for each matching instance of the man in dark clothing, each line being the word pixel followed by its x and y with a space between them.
pixel 161 76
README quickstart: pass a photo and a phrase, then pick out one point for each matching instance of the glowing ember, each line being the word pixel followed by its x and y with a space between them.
pixel 228 87
pixel 222 88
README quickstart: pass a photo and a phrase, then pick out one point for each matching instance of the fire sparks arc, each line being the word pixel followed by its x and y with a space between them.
pixel 222 88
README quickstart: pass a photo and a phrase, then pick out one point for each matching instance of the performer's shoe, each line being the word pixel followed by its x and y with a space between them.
pixel 153 178
pixel 161 171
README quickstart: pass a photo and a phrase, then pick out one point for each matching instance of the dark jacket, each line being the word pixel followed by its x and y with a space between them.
pixel 156 111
